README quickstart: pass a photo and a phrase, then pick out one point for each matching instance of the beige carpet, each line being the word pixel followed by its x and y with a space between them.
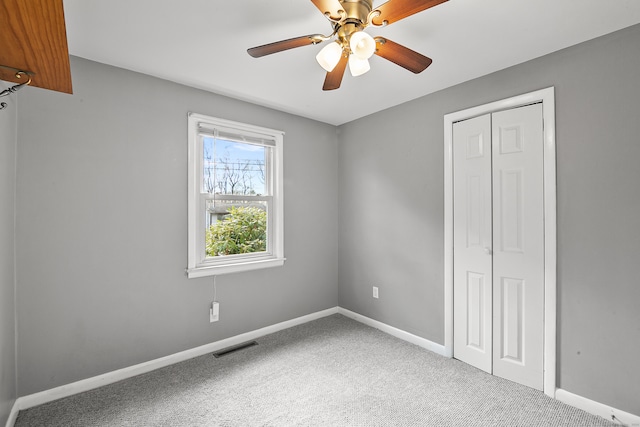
pixel 330 372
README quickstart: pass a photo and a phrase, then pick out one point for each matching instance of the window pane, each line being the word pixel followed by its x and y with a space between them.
pixel 235 227
pixel 233 167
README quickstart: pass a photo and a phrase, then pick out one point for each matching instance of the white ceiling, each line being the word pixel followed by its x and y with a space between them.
pixel 203 43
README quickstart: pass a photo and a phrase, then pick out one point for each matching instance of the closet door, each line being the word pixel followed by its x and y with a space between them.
pixel 518 241
pixel 498 244
pixel 472 277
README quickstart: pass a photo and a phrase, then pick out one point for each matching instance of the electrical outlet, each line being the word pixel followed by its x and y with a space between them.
pixel 214 312
pixel 375 292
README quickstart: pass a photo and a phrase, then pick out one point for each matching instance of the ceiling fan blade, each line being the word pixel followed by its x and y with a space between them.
pixel 332 7
pixel 275 47
pixel 334 78
pixel 402 56
pixel 395 10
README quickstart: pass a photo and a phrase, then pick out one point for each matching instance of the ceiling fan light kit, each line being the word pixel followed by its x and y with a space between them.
pixel 358 66
pixel 329 56
pixel 352 45
pixel 362 45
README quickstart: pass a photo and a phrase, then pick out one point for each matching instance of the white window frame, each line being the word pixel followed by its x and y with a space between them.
pixel 198 264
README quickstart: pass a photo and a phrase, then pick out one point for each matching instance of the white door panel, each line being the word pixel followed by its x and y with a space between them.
pixel 472 239
pixel 518 257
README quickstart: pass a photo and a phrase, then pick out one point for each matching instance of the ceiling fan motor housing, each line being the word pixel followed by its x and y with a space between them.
pixel 357 13
pixel 357 10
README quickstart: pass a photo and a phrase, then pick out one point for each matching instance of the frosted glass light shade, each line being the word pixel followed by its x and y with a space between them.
pixel 329 56
pixel 362 45
pixel 358 66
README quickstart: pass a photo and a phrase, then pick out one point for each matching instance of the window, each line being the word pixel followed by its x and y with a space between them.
pixel 235 202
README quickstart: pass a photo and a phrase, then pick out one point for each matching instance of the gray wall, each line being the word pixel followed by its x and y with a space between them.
pixel 391 204
pixel 7 273
pixel 102 227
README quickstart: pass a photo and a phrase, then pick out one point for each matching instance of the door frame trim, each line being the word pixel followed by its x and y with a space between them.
pixel 547 97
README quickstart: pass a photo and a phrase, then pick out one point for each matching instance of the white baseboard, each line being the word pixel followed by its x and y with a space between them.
pixel 29 401
pixel 596 408
pixel 398 333
pixel 81 386
pixel 13 415
pixel 66 390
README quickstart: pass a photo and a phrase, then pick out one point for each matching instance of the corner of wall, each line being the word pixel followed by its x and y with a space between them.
pixel 15 261
pixel 8 283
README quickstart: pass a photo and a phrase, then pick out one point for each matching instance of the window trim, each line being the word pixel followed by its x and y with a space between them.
pixel 196 264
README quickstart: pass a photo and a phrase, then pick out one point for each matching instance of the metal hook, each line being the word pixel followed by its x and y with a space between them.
pixel 15 88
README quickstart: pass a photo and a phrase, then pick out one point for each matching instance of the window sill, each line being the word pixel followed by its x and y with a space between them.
pixel 216 270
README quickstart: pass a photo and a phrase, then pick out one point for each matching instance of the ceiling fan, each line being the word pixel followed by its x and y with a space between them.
pixel 352 45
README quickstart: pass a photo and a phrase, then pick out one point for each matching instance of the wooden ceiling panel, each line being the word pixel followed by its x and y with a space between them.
pixel 33 38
